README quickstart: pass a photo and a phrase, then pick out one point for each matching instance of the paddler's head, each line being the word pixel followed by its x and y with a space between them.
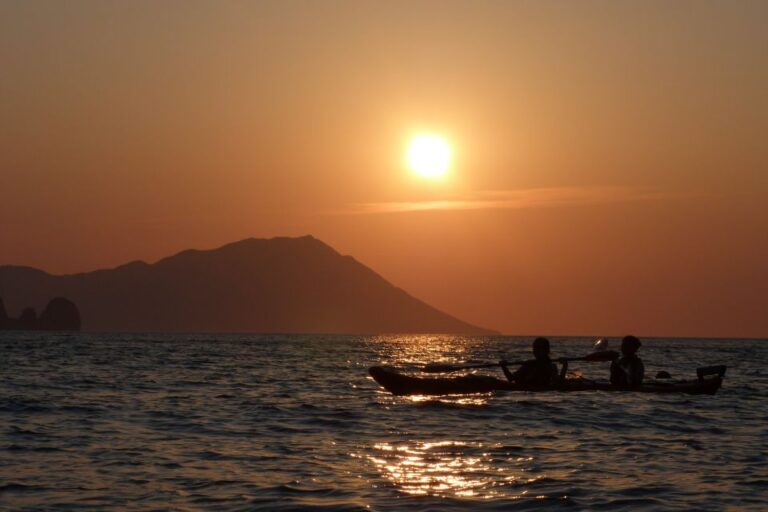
pixel 630 345
pixel 541 348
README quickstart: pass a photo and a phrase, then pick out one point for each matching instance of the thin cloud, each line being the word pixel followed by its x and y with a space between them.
pixel 517 199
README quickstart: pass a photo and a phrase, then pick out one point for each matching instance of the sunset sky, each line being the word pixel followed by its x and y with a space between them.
pixel 609 160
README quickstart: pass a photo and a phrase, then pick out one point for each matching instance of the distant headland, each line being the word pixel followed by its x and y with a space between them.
pixel 276 285
pixel 59 315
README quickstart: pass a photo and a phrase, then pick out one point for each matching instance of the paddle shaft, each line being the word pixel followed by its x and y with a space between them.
pixel 607 355
pixel 434 367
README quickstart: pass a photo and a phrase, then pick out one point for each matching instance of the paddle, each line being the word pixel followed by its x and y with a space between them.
pixel 605 355
pixel 441 368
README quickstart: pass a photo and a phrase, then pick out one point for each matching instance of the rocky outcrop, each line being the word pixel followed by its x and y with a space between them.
pixel 3 315
pixel 59 315
pixel 28 320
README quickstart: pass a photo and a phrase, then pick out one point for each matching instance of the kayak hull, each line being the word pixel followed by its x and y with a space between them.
pixel 400 384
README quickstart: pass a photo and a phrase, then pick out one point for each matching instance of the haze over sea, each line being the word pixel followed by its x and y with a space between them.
pixel 258 422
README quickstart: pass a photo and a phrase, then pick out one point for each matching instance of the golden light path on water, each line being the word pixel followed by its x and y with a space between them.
pixel 421 349
pixel 445 469
pixel 442 467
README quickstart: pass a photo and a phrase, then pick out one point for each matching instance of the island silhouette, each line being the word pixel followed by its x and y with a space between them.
pixel 59 315
pixel 276 285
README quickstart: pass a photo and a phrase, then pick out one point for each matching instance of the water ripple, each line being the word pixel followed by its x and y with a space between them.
pixel 283 423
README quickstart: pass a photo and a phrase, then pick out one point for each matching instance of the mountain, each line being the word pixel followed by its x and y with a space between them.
pixel 277 285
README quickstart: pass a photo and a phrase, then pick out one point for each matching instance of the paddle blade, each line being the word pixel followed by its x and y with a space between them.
pixel 718 370
pixel 605 355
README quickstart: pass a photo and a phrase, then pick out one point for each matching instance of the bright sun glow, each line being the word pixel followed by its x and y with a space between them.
pixel 429 156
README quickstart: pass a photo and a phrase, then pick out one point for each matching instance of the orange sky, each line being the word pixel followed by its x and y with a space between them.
pixel 610 171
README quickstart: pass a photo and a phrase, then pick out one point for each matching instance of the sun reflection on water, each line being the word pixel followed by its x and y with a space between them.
pixel 477 399
pixel 420 350
pixel 455 468
pixel 451 469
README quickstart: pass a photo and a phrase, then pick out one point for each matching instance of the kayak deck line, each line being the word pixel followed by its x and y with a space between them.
pixel 401 384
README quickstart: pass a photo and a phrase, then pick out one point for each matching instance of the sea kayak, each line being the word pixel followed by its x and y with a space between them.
pixel 708 383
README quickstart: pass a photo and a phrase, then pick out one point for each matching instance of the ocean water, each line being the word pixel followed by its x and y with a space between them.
pixel 253 422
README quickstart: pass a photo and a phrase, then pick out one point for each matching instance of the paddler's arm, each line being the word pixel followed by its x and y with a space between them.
pixel 563 369
pixel 509 375
pixel 615 377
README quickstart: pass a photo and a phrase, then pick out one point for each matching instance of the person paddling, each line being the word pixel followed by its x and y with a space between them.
pixel 539 372
pixel 628 371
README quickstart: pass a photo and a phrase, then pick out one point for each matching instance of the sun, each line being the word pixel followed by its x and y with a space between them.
pixel 429 156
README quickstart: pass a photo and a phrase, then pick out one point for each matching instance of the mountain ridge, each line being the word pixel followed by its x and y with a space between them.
pixel 280 284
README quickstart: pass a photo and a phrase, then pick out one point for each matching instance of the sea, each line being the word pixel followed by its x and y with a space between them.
pixel 293 422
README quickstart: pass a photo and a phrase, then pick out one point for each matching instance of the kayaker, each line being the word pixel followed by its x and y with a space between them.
pixel 628 371
pixel 539 372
